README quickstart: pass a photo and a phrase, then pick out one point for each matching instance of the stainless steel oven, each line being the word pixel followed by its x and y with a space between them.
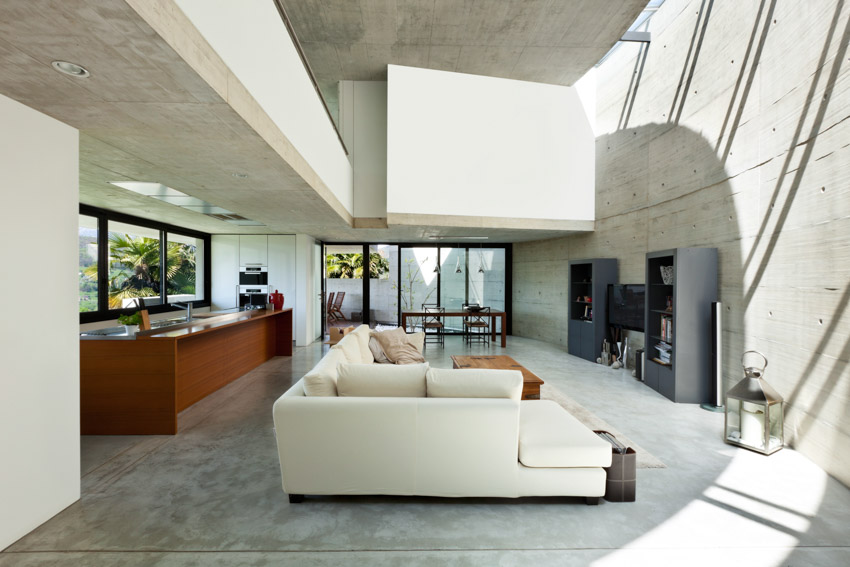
pixel 253 296
pixel 253 275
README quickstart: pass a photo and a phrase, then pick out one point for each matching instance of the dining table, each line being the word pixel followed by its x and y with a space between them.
pixel 494 315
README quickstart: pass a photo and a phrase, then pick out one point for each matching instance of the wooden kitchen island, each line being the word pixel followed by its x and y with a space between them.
pixel 137 387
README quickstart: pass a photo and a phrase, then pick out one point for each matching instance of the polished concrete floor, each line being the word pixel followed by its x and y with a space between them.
pixel 211 495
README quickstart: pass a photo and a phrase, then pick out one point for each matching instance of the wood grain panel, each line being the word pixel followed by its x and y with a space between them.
pixel 138 387
pixel 127 388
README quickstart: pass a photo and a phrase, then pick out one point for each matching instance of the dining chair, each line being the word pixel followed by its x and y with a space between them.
pixel 476 323
pixel 433 320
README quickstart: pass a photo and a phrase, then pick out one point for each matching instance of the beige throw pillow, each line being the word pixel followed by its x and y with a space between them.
pixel 397 347
pixel 388 381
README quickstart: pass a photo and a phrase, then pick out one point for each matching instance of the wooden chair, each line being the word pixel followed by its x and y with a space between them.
pixel 433 320
pixel 329 308
pixel 335 308
pixel 476 323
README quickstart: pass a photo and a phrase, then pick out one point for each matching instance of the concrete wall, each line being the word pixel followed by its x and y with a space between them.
pixel 39 344
pixel 730 131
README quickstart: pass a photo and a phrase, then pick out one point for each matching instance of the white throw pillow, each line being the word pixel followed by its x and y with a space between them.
pixel 350 346
pixel 474 383
pixel 389 381
pixel 321 380
pixel 363 333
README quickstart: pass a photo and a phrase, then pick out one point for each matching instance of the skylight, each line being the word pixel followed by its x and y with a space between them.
pixel 641 24
pixel 171 196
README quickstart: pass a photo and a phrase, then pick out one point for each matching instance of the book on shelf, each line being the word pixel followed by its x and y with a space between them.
pixel 666 328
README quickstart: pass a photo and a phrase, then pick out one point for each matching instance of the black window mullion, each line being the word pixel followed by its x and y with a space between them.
pixel 466 273
pixel 162 266
pixel 367 275
pixel 439 275
pixel 102 263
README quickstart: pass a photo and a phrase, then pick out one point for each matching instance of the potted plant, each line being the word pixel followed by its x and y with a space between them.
pixel 131 322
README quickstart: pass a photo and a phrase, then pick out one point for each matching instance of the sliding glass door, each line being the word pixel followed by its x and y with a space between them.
pixel 383 285
pixel 404 277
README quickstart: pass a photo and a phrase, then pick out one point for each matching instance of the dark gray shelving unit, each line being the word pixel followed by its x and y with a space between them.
pixel 687 377
pixel 588 320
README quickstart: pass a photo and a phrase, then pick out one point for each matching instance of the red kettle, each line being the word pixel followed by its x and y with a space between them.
pixel 276 299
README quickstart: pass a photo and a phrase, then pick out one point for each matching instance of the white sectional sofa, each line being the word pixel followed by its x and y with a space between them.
pixel 415 430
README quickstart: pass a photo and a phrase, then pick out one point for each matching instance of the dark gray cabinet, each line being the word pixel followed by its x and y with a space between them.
pixel 678 318
pixel 588 291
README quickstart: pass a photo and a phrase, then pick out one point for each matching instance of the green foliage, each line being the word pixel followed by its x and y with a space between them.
pixel 135 269
pixel 350 266
pixel 134 319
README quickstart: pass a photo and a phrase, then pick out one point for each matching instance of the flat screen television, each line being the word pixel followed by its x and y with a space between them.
pixel 626 306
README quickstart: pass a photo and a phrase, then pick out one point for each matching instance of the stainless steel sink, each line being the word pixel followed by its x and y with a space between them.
pixel 169 322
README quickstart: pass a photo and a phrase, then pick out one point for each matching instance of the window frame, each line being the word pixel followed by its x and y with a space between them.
pixel 103 216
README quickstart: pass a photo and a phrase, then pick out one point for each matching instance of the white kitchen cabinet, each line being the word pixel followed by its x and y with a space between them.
pixel 253 250
pixel 282 266
pixel 225 270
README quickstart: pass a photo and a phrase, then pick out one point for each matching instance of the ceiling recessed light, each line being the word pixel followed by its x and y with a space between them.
pixel 240 175
pixel 71 69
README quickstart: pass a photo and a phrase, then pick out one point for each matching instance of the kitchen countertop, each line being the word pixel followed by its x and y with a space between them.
pixel 178 328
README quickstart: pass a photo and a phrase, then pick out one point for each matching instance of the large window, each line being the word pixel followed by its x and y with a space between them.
pixel 87 238
pixel 134 265
pixel 185 258
pixel 123 259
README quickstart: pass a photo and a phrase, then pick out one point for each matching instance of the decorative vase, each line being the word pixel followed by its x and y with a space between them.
pixel 667 275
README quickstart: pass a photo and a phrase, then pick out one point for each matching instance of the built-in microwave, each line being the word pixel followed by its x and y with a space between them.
pixel 253 275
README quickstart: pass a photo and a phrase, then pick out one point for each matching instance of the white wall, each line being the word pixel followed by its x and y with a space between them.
pixel 224 254
pixel 363 126
pixel 479 146
pixel 306 294
pixel 39 344
pixel 283 275
pixel 253 42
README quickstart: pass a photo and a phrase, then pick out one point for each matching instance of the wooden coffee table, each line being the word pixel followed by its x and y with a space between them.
pixel 530 382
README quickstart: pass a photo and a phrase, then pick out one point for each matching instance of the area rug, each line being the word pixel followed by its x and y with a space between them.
pixel 644 459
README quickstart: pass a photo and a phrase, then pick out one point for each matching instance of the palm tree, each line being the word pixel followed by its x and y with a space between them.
pixel 348 266
pixel 135 268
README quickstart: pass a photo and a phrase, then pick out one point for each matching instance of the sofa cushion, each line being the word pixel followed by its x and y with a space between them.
pixel 398 346
pixel 321 380
pixel 550 437
pixel 473 383
pixel 382 381
pixel 350 347
pixel 378 353
pixel 363 334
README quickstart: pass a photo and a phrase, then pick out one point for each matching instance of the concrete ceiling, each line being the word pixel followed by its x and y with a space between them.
pixel 545 41
pixel 146 115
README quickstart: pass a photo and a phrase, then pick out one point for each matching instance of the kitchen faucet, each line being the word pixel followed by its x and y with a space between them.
pixel 187 307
